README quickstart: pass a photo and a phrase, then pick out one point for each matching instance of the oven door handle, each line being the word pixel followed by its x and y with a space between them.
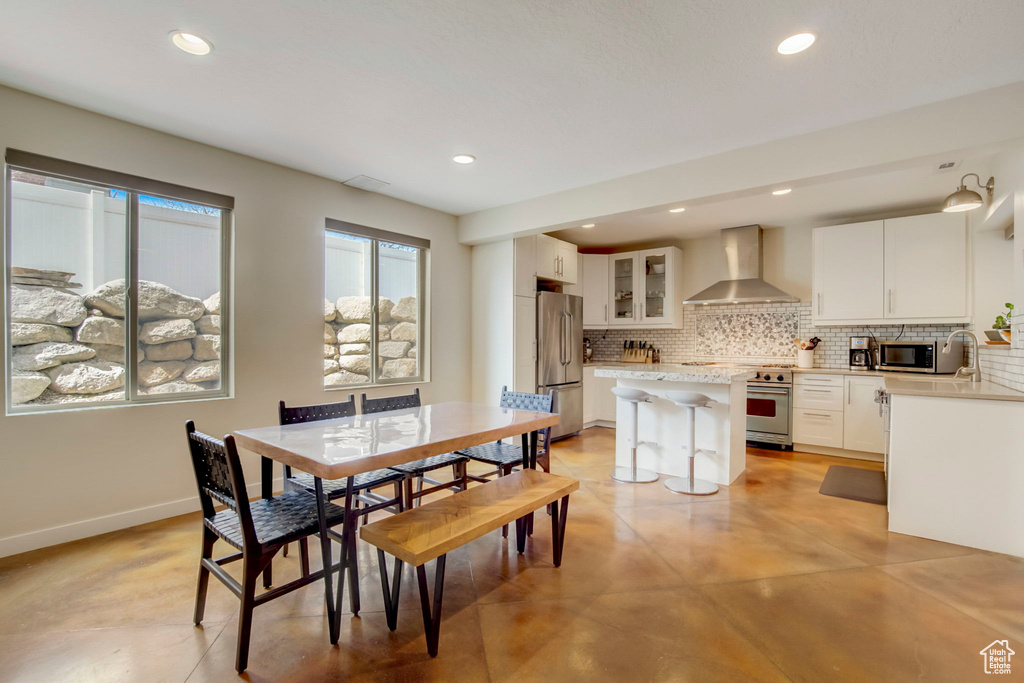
pixel 762 391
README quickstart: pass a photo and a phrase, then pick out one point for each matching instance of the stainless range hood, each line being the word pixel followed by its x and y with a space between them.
pixel 744 267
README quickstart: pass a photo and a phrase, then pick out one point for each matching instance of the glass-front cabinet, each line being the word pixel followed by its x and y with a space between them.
pixel 653 277
pixel 623 288
pixel 644 289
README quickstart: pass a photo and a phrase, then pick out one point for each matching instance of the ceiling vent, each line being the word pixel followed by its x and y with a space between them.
pixel 947 166
pixel 365 182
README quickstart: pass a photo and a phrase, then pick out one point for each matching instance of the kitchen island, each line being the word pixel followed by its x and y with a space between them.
pixel 954 464
pixel 662 424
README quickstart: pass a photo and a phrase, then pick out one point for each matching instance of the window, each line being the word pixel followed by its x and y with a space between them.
pixel 117 288
pixel 367 344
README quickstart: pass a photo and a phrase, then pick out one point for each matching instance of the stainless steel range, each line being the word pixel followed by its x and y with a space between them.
pixel 769 402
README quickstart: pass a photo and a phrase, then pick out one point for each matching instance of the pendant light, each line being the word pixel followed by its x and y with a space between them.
pixel 966 200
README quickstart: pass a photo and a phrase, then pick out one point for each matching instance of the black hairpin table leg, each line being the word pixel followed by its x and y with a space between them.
pixel 325 550
pixel 432 610
pixel 391 592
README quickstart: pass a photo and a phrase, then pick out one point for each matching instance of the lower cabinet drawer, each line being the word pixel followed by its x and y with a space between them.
pixel 818 427
pixel 818 397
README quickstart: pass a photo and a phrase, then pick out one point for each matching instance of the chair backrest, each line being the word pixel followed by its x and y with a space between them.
pixel 538 403
pixel 219 477
pixel 520 400
pixel 324 411
pixel 379 405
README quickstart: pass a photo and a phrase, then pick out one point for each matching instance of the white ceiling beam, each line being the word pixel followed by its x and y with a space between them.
pixel 976 120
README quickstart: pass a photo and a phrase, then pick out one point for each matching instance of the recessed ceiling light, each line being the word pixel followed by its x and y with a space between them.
pixel 797 43
pixel 463 158
pixel 679 210
pixel 191 43
pixel 786 191
pixel 587 225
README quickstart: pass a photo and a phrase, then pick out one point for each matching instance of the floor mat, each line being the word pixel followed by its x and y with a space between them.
pixel 854 483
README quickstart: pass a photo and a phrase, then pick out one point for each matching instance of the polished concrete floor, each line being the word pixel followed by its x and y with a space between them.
pixel 767 580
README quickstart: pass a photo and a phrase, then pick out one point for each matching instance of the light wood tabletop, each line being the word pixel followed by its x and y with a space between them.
pixel 423 533
pixel 344 447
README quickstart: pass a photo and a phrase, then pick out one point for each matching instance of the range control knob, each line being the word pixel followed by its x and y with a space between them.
pixel 757 375
pixel 779 378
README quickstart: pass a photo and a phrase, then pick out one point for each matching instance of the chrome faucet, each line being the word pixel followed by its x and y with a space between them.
pixel 974 371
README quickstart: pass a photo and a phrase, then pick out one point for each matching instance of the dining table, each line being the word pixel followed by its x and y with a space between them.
pixel 347 446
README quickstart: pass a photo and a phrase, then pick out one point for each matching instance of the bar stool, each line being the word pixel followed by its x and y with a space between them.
pixel 689 485
pixel 632 474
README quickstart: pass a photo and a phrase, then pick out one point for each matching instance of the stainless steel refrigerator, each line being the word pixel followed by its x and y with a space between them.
pixel 560 358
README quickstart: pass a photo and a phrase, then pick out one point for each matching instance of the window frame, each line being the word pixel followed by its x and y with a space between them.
pixel 376 236
pixel 133 187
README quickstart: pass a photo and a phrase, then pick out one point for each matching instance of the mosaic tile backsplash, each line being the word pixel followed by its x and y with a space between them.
pixel 765 334
pixel 752 333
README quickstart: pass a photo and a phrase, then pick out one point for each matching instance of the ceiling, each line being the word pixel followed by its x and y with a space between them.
pixel 909 187
pixel 547 95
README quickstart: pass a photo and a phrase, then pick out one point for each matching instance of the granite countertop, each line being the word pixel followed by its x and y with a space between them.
pixel 947 387
pixel 703 374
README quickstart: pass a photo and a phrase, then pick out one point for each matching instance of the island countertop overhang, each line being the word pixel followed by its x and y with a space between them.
pixel 702 374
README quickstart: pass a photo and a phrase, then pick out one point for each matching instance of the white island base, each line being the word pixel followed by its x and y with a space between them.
pixel 662 424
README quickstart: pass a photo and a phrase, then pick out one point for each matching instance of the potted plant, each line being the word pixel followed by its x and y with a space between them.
pixel 1004 323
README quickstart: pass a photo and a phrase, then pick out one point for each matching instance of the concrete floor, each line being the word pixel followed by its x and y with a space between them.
pixel 767 580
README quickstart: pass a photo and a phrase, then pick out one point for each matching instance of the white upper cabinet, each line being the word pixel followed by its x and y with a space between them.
pixel 567 263
pixel 622 283
pixel 525 273
pixel 594 290
pixel 657 286
pixel 926 267
pixel 645 289
pixel 911 269
pixel 556 260
pixel 547 257
pixel 848 272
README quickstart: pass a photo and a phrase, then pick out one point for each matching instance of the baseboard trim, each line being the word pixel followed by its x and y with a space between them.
pixel 599 423
pixel 65 533
pixel 838 452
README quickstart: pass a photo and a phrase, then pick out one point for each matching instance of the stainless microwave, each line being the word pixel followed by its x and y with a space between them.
pixel 920 356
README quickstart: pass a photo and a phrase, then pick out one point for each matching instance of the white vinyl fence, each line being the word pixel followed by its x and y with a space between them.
pixel 84 233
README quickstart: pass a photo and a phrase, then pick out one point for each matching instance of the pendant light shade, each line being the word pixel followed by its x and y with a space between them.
pixel 966 200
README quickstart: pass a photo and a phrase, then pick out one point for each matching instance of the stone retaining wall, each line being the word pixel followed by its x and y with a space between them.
pixel 347 339
pixel 68 348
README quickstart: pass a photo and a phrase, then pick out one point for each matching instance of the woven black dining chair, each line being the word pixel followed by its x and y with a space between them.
pixel 417 469
pixel 365 500
pixel 506 457
pixel 258 529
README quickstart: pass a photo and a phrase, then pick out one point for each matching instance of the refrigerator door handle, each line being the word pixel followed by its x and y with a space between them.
pixel 568 338
pixel 561 341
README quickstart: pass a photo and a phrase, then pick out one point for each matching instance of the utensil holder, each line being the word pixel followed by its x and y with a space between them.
pixel 805 358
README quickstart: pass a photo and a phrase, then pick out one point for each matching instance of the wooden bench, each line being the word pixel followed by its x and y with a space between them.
pixel 430 531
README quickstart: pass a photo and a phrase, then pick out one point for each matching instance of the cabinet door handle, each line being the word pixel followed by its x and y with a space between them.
pixel 818 391
pixel 606 312
pixel 819 303
pixel 890 301
pixel 817 415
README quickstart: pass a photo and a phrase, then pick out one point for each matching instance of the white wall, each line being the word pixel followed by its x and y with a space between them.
pixel 122 466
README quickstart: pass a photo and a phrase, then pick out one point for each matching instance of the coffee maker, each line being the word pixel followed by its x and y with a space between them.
pixel 860 354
